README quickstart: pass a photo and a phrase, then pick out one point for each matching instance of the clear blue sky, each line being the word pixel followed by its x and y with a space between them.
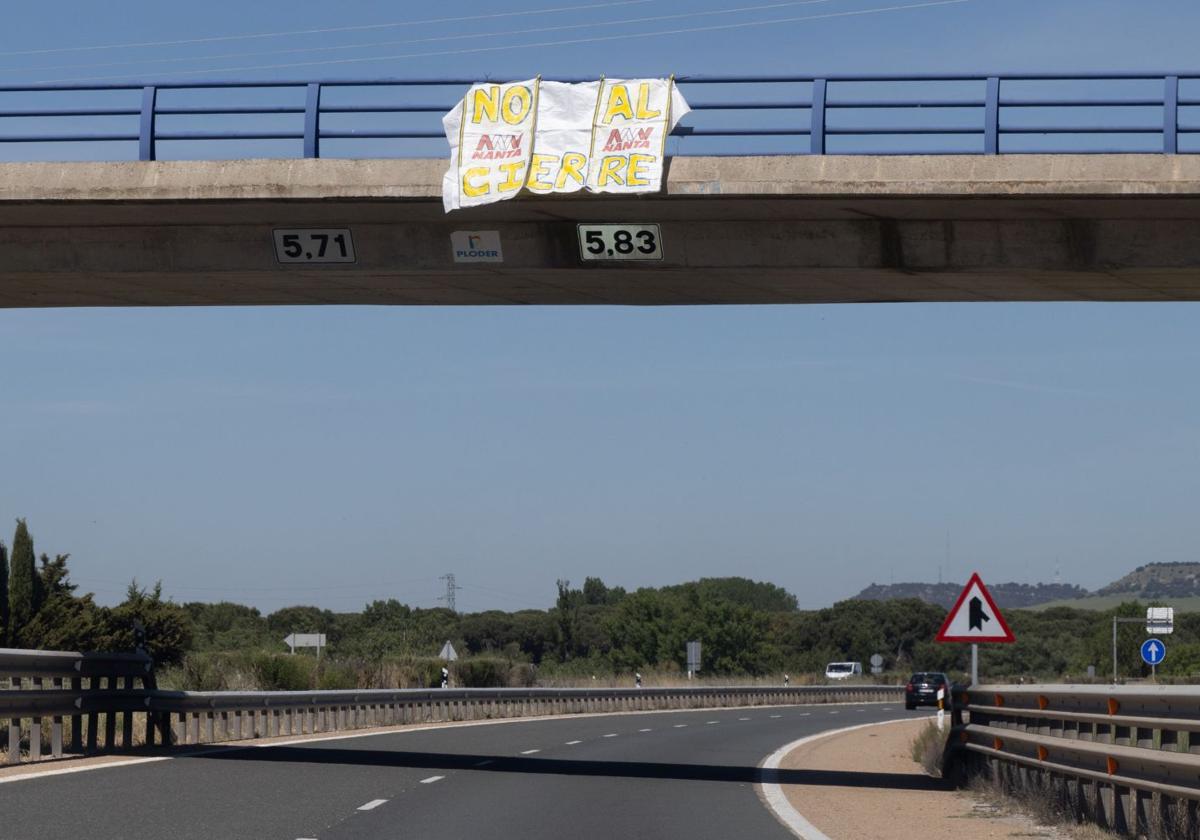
pixel 334 455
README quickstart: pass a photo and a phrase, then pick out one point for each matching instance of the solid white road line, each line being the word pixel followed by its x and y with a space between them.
pixel 374 803
pixel 774 795
pixel 573 743
pixel 529 752
pixel 432 779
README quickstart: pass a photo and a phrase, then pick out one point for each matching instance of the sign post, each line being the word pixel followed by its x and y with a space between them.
pixel 975 618
pixel 295 640
pixel 693 658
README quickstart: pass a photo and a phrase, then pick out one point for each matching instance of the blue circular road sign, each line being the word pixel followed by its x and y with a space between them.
pixel 1153 651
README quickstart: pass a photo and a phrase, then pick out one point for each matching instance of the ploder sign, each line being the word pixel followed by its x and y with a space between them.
pixel 975 617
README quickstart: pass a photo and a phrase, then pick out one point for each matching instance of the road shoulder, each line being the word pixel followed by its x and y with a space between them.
pixel 861 783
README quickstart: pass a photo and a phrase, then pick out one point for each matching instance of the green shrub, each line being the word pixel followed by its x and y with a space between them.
pixel 337 676
pixel 480 672
pixel 285 672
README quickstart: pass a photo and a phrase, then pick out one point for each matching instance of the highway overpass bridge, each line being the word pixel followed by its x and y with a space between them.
pixel 849 220
pixel 780 229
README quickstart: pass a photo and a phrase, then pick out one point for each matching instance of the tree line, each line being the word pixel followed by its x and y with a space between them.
pixel 39 608
pixel 746 628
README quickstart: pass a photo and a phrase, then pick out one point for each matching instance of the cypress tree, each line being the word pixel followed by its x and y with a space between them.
pixel 21 587
pixel 4 634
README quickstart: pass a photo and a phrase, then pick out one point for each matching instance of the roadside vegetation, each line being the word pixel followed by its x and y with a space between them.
pixel 593 634
pixel 929 746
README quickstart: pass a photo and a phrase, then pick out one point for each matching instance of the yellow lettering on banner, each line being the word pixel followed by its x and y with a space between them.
pixel 475 190
pixel 618 103
pixel 573 164
pixel 643 103
pixel 514 171
pixel 610 170
pixel 539 169
pixel 486 103
pixel 635 176
pixel 523 99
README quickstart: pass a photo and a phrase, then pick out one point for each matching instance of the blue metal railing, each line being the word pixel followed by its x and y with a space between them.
pixel 868 114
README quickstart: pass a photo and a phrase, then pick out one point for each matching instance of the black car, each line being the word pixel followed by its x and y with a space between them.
pixel 922 689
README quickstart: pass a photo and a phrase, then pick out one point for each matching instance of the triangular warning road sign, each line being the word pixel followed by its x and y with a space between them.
pixel 975 618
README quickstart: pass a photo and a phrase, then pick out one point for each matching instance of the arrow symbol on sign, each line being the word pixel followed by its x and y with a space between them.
pixel 1154 649
pixel 977 616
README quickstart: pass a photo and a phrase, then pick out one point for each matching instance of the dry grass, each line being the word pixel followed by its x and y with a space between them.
pixel 928 748
pixel 1051 805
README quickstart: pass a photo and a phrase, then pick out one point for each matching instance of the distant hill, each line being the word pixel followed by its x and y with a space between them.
pixel 1007 595
pixel 1157 580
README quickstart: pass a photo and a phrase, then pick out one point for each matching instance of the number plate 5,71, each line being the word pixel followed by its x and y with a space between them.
pixel 324 245
pixel 620 242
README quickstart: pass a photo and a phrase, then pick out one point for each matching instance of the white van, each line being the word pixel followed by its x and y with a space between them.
pixel 843 670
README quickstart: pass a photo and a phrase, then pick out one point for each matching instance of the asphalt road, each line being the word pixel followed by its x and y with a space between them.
pixel 678 774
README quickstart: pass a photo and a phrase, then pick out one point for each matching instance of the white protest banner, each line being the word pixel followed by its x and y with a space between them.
pixel 491 140
pixel 564 137
pixel 629 134
pixel 554 137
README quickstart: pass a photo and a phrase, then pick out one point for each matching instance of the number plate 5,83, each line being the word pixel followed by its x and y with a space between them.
pixel 324 245
pixel 620 242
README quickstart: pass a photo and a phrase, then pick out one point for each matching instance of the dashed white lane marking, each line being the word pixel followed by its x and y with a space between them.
pixel 680 725
pixel 611 735
pixel 711 722
pixel 374 803
pixel 573 743
pixel 484 763
pixel 776 716
pixel 834 712
pixel 743 718
pixel 887 708
pixel 860 710
pixel 432 779
pixel 529 752
pixel 802 714
pixel 645 730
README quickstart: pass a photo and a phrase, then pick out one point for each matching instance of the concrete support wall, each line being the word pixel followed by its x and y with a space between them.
pixel 799 229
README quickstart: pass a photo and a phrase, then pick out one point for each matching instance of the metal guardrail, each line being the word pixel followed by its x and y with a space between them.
pixel 39 699
pixel 1127 757
pixel 816 114
pixel 83 687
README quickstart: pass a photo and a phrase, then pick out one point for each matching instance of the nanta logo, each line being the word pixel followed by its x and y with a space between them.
pixel 622 140
pixel 497 147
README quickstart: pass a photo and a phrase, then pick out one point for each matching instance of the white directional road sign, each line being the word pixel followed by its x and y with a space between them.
pixel 448 652
pixel 295 640
pixel 1153 651
pixel 975 617
pixel 1160 620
